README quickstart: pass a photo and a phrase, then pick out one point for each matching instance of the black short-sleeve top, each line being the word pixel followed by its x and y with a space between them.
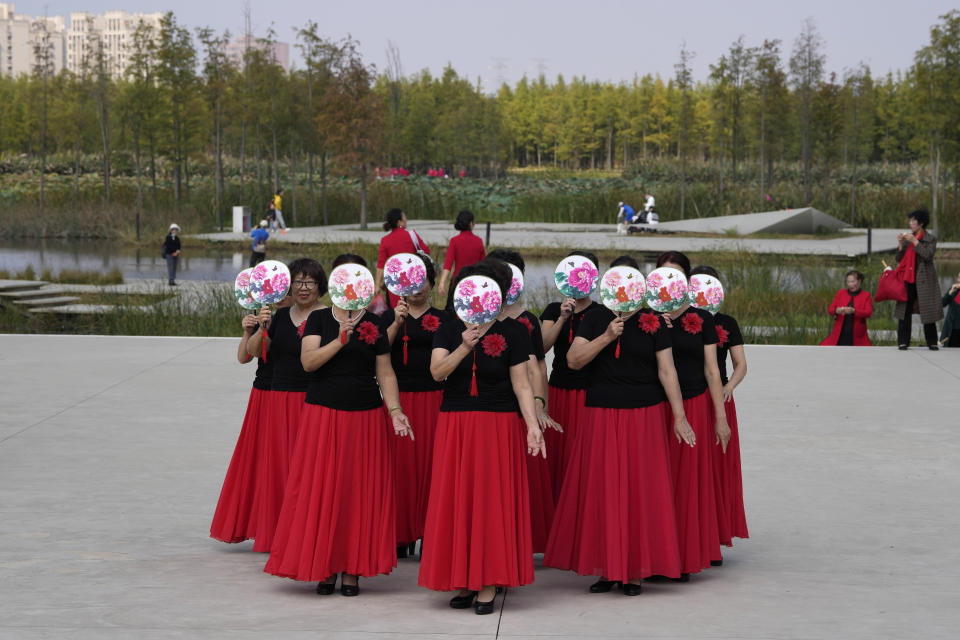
pixel 264 377
pixel 728 335
pixel 348 380
pixel 417 333
pixel 505 344
pixel 691 331
pixel 288 373
pixel 632 380
pixel 532 324
pixel 562 376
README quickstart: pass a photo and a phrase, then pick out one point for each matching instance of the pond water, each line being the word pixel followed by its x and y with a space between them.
pixel 223 264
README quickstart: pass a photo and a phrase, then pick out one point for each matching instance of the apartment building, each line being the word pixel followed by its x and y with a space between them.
pixel 113 28
pixel 23 39
pixel 279 50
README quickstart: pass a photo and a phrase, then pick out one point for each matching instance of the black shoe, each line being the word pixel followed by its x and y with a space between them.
pixel 402 551
pixel 463 602
pixel 484 608
pixel 172 283
pixel 684 577
pixel 350 590
pixel 903 347
pixel 933 347
pixel 630 589
pixel 602 586
pixel 716 563
pixel 327 587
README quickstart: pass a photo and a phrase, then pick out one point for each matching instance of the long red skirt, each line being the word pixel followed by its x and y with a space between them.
pixel 412 463
pixel 566 407
pixel 234 519
pixel 478 520
pixel 616 513
pixel 730 512
pixel 693 483
pixel 339 509
pixel 278 433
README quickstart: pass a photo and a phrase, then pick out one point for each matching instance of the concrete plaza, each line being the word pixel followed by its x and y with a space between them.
pixel 112 451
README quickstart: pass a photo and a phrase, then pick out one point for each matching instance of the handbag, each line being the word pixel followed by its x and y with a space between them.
pixel 260 248
pixel 890 286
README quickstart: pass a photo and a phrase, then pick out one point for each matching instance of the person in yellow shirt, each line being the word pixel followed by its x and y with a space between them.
pixel 278 209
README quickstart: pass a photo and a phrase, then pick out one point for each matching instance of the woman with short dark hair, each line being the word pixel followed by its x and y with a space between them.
pixel 850 308
pixel 915 267
pixel 399 239
pixel 464 249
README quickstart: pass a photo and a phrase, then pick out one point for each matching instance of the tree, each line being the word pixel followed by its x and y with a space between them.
pixel 770 105
pixel 684 77
pixel 351 115
pixel 806 73
pixel 317 54
pixel 42 70
pixel 216 69
pixel 177 59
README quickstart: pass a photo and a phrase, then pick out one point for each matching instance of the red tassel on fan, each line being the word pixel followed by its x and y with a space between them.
pixel 571 331
pixel 343 337
pixel 263 349
pixel 616 353
pixel 473 381
pixel 406 339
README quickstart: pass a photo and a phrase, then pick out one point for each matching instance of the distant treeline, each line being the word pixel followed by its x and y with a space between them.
pixel 187 129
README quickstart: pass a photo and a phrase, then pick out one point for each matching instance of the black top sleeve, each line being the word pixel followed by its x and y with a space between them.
pixel 562 376
pixel 532 324
pixel 505 344
pixel 630 380
pixel 348 381
pixel 727 327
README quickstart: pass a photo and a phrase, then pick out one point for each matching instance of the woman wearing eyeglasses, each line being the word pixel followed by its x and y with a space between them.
pixel 279 431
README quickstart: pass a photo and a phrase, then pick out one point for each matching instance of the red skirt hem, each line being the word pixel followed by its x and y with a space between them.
pixel 339 508
pixel 234 519
pixel 616 513
pixel 477 531
pixel 731 480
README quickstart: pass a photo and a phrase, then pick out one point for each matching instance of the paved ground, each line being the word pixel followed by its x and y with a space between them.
pixel 587 236
pixel 112 451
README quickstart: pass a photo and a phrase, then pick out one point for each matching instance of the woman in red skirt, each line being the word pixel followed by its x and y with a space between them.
pixel 339 507
pixel 478 519
pixel 568 387
pixel 731 517
pixel 542 503
pixel 234 519
pixel 616 514
pixel 278 432
pixel 694 336
pixel 410 329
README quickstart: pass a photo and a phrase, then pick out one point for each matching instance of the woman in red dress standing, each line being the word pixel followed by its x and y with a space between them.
pixel 234 519
pixel 287 391
pixel 398 240
pixel 478 519
pixel 464 249
pixel 542 503
pixel 694 336
pixel 339 507
pixel 410 329
pixel 567 387
pixel 616 514
pixel 731 516
pixel 850 307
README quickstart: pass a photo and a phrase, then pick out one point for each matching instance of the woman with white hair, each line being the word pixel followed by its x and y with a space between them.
pixel 171 252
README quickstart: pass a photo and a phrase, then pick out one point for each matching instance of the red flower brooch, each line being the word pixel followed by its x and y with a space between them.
pixel 649 322
pixel 723 335
pixel 429 323
pixel 525 323
pixel 494 344
pixel 368 332
pixel 692 323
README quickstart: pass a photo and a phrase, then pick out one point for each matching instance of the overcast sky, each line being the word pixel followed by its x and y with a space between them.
pixel 600 39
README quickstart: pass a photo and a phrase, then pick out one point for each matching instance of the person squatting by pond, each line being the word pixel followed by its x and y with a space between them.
pixel 258 248
pixel 365 433
pixel 171 253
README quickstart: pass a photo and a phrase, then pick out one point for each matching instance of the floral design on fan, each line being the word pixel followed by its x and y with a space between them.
pixel 368 332
pixel 723 335
pixel 649 322
pixel 692 323
pixel 582 277
pixel 525 323
pixel 494 344
pixel 429 323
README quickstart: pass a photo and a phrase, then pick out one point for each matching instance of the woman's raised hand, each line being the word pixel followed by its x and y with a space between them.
pixel 614 329
pixel 249 323
pixel 263 317
pixel 470 336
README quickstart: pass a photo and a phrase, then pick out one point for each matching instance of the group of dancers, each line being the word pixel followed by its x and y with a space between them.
pixel 365 434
